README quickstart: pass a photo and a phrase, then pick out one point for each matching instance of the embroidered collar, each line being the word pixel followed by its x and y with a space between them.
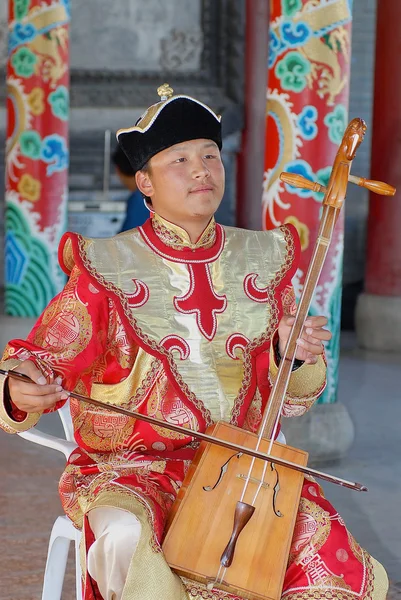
pixel 177 238
pixel 179 249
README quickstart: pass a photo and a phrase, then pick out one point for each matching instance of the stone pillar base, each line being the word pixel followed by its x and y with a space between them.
pixel 326 432
pixel 14 327
pixel 378 322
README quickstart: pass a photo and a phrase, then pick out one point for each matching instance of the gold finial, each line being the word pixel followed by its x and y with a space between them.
pixel 165 92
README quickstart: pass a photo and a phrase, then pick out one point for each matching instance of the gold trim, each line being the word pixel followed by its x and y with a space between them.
pixel 6 422
pixel 68 255
pixel 380 581
pixel 273 323
pixel 165 91
pixel 306 382
pixel 150 116
pixel 149 576
pixel 145 339
pixel 132 390
pixel 177 238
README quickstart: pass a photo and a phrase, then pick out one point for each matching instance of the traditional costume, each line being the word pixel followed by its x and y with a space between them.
pixel 184 332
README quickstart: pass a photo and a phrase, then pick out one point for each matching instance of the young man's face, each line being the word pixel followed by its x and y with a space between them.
pixel 185 182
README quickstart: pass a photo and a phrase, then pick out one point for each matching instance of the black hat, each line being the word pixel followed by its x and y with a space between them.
pixel 173 120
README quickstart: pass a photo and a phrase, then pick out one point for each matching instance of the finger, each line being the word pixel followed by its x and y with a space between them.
pixel 31 404
pixel 316 321
pixel 309 347
pixel 18 388
pixel 318 334
pixel 287 320
pixel 31 370
pixel 28 367
pixel 34 389
pixel 311 360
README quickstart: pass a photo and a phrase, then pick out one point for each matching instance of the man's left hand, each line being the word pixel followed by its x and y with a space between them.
pixel 310 343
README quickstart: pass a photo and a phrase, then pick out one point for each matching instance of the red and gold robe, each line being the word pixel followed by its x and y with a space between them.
pixel 183 332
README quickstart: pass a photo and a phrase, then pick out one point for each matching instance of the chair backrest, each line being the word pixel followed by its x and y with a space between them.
pixel 66 446
pixel 65 416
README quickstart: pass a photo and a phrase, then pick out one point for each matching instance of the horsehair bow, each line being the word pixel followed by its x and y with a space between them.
pixel 204 437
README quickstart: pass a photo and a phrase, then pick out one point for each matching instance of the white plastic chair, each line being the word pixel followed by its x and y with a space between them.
pixel 63 531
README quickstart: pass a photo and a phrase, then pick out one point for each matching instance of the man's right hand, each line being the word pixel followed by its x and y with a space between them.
pixel 37 396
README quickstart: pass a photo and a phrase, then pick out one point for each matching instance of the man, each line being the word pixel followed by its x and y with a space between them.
pixel 136 211
pixel 184 320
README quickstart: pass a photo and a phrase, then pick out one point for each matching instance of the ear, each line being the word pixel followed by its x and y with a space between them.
pixel 144 183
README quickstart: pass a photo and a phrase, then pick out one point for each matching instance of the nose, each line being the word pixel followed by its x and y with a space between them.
pixel 200 169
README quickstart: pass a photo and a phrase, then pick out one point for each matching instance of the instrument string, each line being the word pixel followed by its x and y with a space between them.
pixel 291 360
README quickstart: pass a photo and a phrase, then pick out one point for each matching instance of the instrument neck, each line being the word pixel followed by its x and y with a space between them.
pixel 269 424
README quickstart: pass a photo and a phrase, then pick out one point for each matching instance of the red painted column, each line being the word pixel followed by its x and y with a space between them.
pixel 306 115
pixel 378 312
pixel 36 152
pixel 383 250
pixel 250 162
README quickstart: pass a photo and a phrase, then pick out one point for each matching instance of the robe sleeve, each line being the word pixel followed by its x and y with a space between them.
pixel 308 381
pixel 69 339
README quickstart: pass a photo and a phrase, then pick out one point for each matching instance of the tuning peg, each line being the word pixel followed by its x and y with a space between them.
pixel 378 187
pixel 301 182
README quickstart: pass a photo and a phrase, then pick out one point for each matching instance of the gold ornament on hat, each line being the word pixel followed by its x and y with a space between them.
pixel 165 92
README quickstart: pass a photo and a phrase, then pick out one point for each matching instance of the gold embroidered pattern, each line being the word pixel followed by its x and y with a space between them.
pixel 289 301
pixel 273 323
pixel 118 342
pixel 355 547
pixel 103 430
pixel 145 385
pixel 307 377
pixel 254 413
pixel 145 339
pixel 177 238
pixel 101 489
pixel 312 528
pixel 325 591
pixel 320 593
pixel 197 591
pixel 164 405
pixel 66 331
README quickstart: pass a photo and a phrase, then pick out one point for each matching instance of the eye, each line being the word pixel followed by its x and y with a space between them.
pixel 210 156
pixel 180 160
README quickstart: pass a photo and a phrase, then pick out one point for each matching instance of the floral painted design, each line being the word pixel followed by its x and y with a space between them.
pixel 36 101
pixel 291 7
pixel 21 8
pixel 22 33
pixel 292 71
pixel 31 144
pixel 336 122
pixel 54 152
pixel 300 167
pixel 294 35
pixel 24 62
pixel 37 152
pixel 307 122
pixel 29 187
pixel 306 115
pixel 59 102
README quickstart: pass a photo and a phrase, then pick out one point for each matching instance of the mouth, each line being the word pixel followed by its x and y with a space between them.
pixel 201 188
